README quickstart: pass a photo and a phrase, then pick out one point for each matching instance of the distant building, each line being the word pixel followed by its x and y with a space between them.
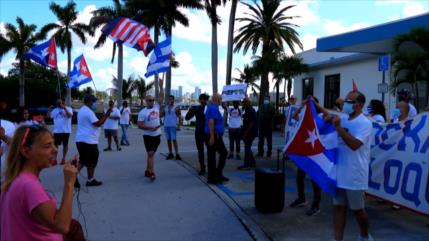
pixel 180 94
pixel 196 93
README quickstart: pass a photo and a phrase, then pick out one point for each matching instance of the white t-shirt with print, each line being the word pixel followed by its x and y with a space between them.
pixel 9 130
pixel 150 117
pixel 353 166
pixel 112 124
pixel 62 123
pixel 125 116
pixel 234 118
pixel 87 132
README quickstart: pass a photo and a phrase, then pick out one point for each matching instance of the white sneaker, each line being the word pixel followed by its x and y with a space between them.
pixel 360 238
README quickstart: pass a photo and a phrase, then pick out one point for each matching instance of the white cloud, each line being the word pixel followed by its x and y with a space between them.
pixel 138 65
pixel 2 28
pixel 383 3
pixel 6 65
pixel 413 8
pixel 332 27
pixel 103 77
pixel 309 41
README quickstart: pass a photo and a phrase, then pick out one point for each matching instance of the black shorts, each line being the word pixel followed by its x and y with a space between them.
pixel 151 142
pixel 110 132
pixel 61 139
pixel 88 154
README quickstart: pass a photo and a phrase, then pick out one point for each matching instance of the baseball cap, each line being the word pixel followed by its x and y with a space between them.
pixel 89 97
pixel 203 96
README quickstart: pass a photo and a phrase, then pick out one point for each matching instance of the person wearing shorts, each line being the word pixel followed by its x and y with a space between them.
pixel 149 121
pixel 111 127
pixel 172 123
pixel 62 117
pixel 354 131
pixel 87 135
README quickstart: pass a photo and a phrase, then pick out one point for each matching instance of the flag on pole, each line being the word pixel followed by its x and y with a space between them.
pixel 80 73
pixel 313 148
pixel 44 53
pixel 355 88
pixel 160 58
pixel 129 32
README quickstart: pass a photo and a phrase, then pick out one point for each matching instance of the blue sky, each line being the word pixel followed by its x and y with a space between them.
pixel 192 45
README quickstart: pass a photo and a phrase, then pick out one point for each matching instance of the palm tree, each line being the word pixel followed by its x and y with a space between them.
pixel 248 76
pixel 285 69
pixel 67 16
pixel 142 88
pixel 19 39
pixel 162 15
pixel 211 6
pixel 127 86
pixel 101 17
pixel 266 25
pixel 230 41
pixel 410 60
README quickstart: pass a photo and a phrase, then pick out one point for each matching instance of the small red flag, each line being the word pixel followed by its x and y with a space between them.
pixel 355 88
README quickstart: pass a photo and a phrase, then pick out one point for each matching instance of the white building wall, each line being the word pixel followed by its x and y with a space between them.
pixel 364 72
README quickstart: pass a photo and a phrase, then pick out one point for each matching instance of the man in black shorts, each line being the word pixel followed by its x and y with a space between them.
pixel 87 135
pixel 62 117
pixel 149 121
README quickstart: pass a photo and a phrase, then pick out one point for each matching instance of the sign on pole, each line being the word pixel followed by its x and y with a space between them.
pixel 383 88
pixel 383 63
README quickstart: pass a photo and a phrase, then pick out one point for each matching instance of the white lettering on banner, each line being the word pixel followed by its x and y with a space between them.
pixel 235 92
pixel 399 167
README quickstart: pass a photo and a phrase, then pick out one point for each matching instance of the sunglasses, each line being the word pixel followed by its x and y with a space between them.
pixel 350 101
pixel 33 128
pixel 150 100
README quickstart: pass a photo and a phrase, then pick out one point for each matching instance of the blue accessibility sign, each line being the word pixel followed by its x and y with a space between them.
pixel 383 63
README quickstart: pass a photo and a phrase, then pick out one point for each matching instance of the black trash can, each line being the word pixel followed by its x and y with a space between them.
pixel 269 190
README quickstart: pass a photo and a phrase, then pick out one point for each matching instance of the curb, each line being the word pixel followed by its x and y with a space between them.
pixel 254 230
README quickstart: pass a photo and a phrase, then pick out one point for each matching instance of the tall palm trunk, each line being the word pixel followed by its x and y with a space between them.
pixel 68 95
pixel 214 57
pixel 230 41
pixel 156 39
pixel 168 75
pixel 120 73
pixel 21 83
pixel 277 95
pixel 289 88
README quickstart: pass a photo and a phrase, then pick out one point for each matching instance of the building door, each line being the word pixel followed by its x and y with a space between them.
pixel 307 87
pixel 332 89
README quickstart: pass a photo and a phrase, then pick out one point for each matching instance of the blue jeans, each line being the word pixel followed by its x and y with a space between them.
pixel 124 137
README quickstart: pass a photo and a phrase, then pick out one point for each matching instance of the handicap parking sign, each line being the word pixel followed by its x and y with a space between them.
pixel 383 63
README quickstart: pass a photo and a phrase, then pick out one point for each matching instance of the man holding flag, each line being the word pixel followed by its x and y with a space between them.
pixel 354 131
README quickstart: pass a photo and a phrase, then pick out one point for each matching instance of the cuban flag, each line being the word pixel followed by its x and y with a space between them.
pixel 160 58
pixel 313 148
pixel 80 74
pixel 44 53
pixel 129 32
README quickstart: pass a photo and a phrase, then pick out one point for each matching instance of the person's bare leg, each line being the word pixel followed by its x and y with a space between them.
pixel 362 219
pixel 176 147
pixel 115 138
pixel 339 222
pixel 150 161
pixel 170 148
pixel 65 150
pixel 109 142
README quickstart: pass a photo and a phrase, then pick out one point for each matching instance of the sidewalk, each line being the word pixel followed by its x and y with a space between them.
pixel 293 224
pixel 180 206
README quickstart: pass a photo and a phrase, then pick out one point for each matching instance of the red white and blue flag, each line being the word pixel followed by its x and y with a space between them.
pixel 313 148
pixel 80 74
pixel 44 53
pixel 129 32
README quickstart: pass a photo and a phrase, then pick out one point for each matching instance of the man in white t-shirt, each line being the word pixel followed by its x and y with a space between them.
pixel 111 127
pixel 62 117
pixel 234 130
pixel 7 130
pixel 289 121
pixel 87 135
pixel 149 121
pixel 124 122
pixel 354 133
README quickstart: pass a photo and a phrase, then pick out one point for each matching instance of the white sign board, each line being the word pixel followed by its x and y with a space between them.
pixel 235 92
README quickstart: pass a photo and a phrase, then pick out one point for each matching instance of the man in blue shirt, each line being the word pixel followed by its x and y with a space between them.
pixel 214 130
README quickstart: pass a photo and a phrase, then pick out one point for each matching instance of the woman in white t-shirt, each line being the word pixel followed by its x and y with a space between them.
pixel 24 118
pixel 124 121
pixel 377 110
pixel 149 121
